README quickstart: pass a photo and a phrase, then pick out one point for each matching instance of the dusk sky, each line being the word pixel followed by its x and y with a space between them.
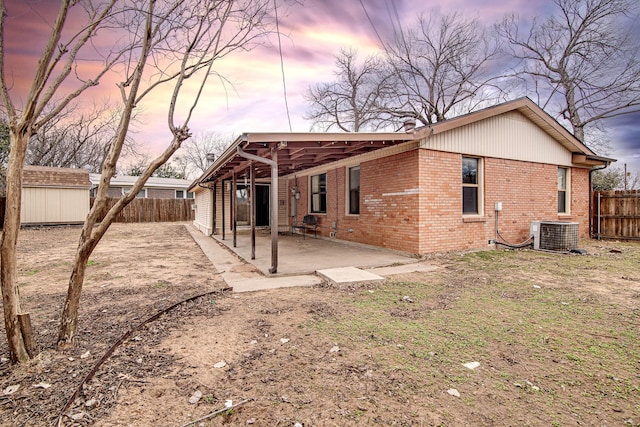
pixel 315 31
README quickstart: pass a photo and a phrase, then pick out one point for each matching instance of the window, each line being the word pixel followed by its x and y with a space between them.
pixel 563 175
pixel 319 193
pixel 142 194
pixel 470 186
pixel 354 190
pixel 180 194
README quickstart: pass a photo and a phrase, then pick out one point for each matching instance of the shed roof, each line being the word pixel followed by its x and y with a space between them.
pixel 45 176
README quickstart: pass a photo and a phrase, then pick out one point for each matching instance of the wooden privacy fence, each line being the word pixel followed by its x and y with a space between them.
pixel 154 210
pixel 616 214
pixel 143 210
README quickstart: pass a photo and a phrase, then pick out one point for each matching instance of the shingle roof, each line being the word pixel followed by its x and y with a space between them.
pixel 43 176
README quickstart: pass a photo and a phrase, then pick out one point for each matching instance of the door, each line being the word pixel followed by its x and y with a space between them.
pixel 262 205
pixel 244 207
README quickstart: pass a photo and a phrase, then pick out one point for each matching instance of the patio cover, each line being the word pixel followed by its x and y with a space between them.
pixel 296 151
pixel 262 155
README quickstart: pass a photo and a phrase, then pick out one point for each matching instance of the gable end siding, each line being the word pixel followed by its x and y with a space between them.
pixel 507 136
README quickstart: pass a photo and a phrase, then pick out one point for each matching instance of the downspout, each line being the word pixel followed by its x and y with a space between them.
pixel 274 202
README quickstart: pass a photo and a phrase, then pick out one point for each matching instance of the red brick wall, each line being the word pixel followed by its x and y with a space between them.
pixel 442 227
pixel 388 197
pixel 412 202
pixel 579 200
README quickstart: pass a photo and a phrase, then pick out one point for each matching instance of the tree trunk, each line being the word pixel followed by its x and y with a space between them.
pixel 90 237
pixel 69 319
pixel 8 267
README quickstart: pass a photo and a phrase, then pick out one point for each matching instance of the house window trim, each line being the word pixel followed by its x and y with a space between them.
pixel 567 191
pixel 125 190
pixel 479 185
pixel 326 180
pixel 347 196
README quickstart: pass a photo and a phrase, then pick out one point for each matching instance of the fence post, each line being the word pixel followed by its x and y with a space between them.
pixel 599 195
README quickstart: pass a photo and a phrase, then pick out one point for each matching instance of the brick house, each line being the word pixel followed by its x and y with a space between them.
pixel 432 189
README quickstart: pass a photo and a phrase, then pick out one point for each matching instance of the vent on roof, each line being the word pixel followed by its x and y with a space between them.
pixel 554 235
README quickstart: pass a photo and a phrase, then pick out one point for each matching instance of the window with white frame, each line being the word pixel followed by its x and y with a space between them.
pixel 354 190
pixel 182 194
pixel 471 185
pixel 319 193
pixel 563 193
pixel 142 194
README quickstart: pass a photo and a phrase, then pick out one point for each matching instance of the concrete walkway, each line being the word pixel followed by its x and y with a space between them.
pixel 299 260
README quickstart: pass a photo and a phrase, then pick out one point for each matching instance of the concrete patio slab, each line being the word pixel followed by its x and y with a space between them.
pixel 301 262
pixel 297 255
pixel 348 275
pixel 240 275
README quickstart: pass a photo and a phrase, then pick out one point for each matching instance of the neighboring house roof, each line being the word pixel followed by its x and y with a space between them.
pixel 44 176
pixel 299 151
pixel 153 182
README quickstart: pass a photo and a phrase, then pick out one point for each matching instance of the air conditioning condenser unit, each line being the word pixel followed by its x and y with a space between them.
pixel 554 235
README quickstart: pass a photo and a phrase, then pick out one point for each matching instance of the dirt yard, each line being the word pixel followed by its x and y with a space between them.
pixel 555 338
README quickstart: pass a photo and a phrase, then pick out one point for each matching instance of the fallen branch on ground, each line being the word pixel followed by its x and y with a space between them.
pixel 218 412
pixel 122 339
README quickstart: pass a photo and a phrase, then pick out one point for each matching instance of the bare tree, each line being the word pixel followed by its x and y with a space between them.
pixel 194 35
pixel 56 64
pixel 581 61
pixel 442 67
pixel 192 160
pixel 76 139
pixel 354 100
pixel 614 178
pixel 164 42
pixel 168 170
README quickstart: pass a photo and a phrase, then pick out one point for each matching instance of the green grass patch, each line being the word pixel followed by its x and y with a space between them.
pixel 524 315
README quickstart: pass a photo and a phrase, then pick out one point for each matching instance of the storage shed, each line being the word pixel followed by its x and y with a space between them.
pixel 54 195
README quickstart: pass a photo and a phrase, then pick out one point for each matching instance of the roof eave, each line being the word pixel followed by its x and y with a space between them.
pixel 580 159
pixel 293 137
